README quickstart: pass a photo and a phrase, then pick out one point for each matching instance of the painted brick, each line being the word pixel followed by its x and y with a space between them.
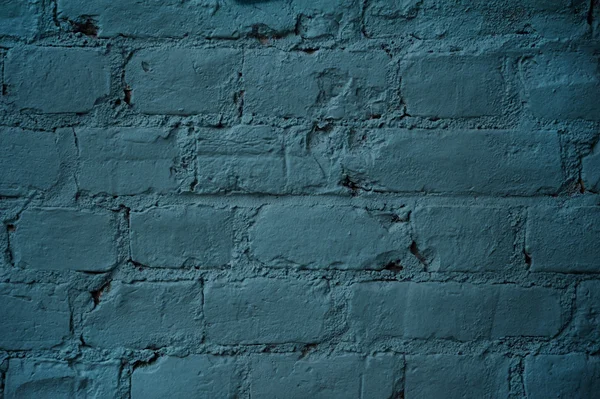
pixel 56 80
pixel 452 311
pixel 184 81
pixel 427 19
pixel 33 316
pixel 29 161
pixel 562 376
pixel 267 311
pixel 472 161
pixel 121 318
pixel 337 376
pixel 590 170
pixel 191 376
pixel 563 86
pixel 244 158
pixel 327 237
pixel 464 238
pixel 181 236
pixel 227 19
pixel 453 86
pixel 126 161
pixel 19 18
pixel 41 378
pixel 563 239
pixel 332 84
pixel 312 160
pixel 65 239
pixel 586 321
pixel 457 377
pixel 434 19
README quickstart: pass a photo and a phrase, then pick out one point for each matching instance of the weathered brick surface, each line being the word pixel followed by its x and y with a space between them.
pixel 56 80
pixel 186 377
pixel 126 161
pixel 258 311
pixel 184 81
pixel 453 86
pixel 342 376
pixel 590 171
pixel 121 317
pixel 19 18
pixel 37 150
pixel 586 321
pixel 562 376
pixel 245 158
pixel 229 19
pixel 490 162
pixel 332 85
pixel 42 378
pixel 453 311
pixel 454 377
pixel 326 237
pixel 33 316
pixel 65 239
pixel 563 86
pixel 182 236
pixel 465 238
pixel 435 19
pixel 299 198
pixel 564 239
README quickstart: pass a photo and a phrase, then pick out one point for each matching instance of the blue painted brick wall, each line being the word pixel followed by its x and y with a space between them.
pixel 300 199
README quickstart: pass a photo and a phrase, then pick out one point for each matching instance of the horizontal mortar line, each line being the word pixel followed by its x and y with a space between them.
pixel 363 199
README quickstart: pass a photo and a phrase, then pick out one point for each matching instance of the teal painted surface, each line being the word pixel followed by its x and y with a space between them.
pixel 299 199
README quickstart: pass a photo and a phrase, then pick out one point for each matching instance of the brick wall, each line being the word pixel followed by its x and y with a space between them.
pixel 300 199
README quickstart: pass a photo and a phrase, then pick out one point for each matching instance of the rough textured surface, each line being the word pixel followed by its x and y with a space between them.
pixel 39 378
pixel 454 377
pixel 202 376
pixel 299 198
pixel 562 376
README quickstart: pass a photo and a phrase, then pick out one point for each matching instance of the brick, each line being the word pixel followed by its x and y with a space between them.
pixel 326 84
pixel 312 161
pixel 452 86
pixel 209 19
pixel 455 311
pixel 180 236
pixel 586 320
pixel 472 161
pixel 427 19
pixel 562 376
pixel 126 161
pixel 187 377
pixel 336 376
pixel 29 161
pixel 464 239
pixel 590 170
pixel 19 18
pixel 243 158
pixel 434 19
pixel 326 237
pixel 33 316
pixel 56 80
pixel 383 376
pixel 184 81
pixel 122 316
pixel 65 239
pixel 563 86
pixel 563 240
pixel 457 377
pixel 266 311
pixel 41 378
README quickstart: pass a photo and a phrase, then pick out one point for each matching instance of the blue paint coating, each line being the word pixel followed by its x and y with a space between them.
pixel 291 199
